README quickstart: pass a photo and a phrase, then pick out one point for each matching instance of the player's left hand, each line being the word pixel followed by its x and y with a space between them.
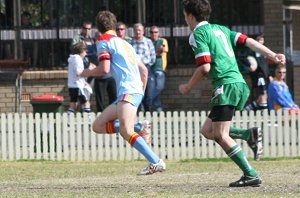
pixel 184 89
pixel 280 59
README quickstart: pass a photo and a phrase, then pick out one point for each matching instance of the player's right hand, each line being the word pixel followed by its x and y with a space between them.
pixel 92 66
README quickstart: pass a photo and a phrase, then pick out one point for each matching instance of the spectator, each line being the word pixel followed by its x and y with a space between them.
pixel 121 31
pixel 91 56
pixel 145 49
pixel 159 67
pixel 5 47
pixel 101 84
pixel 86 36
pixel 26 20
pixel 27 45
pixel 78 87
pixel 279 96
pixel 260 77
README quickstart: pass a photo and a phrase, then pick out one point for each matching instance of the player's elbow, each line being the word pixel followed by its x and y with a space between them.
pixel 205 72
pixel 144 72
pixel 105 71
pixel 143 69
pixel 99 71
pixel 205 69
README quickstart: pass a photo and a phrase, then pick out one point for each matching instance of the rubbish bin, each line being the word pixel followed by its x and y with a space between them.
pixel 47 104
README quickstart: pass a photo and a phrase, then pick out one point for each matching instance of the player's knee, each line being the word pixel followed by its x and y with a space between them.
pixel 97 128
pixel 207 134
pixel 220 139
pixel 125 131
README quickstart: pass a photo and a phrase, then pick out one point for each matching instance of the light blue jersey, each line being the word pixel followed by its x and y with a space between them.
pixel 124 63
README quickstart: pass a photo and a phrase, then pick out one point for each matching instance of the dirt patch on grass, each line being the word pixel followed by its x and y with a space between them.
pixel 211 179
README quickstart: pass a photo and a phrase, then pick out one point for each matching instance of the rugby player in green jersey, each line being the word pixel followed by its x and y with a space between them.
pixel 213 49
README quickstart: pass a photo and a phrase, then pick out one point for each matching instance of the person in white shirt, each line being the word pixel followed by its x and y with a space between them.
pixel 79 89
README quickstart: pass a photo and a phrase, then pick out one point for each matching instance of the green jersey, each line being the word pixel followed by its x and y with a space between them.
pixel 213 44
pixel 158 65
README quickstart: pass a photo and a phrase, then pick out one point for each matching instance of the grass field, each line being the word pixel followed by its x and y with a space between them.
pixel 193 178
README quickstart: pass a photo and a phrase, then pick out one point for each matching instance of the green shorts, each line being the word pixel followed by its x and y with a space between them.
pixel 235 94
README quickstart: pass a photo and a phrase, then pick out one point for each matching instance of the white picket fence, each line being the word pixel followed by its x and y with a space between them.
pixel 175 136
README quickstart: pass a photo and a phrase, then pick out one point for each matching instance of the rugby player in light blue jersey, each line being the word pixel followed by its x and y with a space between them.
pixel 118 57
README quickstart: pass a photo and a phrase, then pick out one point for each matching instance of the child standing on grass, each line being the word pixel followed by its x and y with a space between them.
pixel 79 89
pixel 118 57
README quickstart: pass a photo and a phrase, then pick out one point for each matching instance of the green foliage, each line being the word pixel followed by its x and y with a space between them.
pixel 2 6
pixel 37 17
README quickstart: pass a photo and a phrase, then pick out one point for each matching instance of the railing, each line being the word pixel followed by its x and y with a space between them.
pixel 175 136
pixel 64 33
pixel 50 48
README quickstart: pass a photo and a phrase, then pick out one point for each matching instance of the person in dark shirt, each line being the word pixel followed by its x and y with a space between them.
pixel 102 84
pixel 260 77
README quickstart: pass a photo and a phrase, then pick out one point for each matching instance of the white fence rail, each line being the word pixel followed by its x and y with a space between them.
pixel 69 33
pixel 175 135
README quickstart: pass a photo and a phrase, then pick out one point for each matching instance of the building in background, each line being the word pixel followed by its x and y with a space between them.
pixel 55 22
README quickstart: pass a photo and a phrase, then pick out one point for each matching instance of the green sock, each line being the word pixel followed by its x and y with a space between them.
pixel 237 155
pixel 237 133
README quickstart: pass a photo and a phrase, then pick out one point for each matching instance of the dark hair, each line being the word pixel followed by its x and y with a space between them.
pixel 105 21
pixel 87 23
pixel 200 9
pixel 78 48
pixel 26 14
pixel 121 23
pixel 258 36
pixel 154 27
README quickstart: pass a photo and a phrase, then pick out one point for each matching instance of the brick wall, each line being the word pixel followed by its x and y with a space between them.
pixel 297 84
pixel 296 29
pixel 273 24
pixel 55 82
pixel 34 83
pixel 198 98
pixel 7 97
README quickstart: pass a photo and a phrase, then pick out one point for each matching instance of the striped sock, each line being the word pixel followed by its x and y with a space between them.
pixel 263 106
pixel 110 128
pixel 137 126
pixel 252 106
pixel 70 110
pixel 87 109
pixel 237 133
pixel 139 144
pixel 237 155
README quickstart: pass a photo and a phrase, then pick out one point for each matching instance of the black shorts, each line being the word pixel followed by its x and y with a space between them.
pixel 260 90
pixel 222 113
pixel 74 94
pixel 260 86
